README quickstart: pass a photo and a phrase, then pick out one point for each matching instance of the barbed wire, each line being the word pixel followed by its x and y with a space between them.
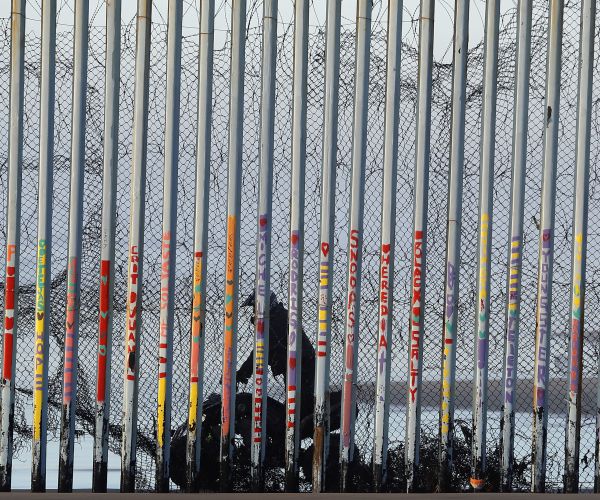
pixel 215 266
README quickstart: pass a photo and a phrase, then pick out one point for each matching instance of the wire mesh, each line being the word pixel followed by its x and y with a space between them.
pixel 442 74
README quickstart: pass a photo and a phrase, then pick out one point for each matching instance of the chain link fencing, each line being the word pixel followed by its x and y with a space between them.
pixel 439 169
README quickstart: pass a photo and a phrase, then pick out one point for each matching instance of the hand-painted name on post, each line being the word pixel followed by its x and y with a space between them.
pixel 132 311
pixel 103 329
pixel 262 311
pixel 294 327
pixel 543 319
pixel 513 319
pixel 40 311
pixel 351 318
pixel 228 373
pixel 72 306
pixel 384 305
pixel 9 312
pixel 163 347
pixel 416 316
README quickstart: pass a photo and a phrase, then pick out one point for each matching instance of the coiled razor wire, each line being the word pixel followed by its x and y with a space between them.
pixel 281 190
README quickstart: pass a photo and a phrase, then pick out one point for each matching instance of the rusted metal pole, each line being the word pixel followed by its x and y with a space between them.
pixel 296 262
pixel 44 247
pixel 136 245
pixel 69 395
pixel 579 251
pixel 205 78
pixel 486 194
pixel 419 243
pixel 13 239
pixel 326 240
pixel 515 243
pixel 546 249
pixel 112 82
pixel 388 243
pixel 457 159
pixel 234 185
pixel 168 247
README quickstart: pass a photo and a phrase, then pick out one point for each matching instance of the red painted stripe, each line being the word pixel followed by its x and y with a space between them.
pixel 8 349
pixel 322 354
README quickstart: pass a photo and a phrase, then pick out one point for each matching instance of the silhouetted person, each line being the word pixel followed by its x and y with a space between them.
pixel 278 346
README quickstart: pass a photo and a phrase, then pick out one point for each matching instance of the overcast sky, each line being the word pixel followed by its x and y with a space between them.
pixel 443 21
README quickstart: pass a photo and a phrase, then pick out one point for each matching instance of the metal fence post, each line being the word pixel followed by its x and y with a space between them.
pixel 136 245
pixel 546 247
pixel 13 238
pixel 388 243
pixel 326 240
pixel 452 274
pixel 203 149
pixel 69 395
pixel 482 307
pixel 44 247
pixel 419 243
pixel 515 243
pixel 107 242
pixel 169 245
pixel 355 240
pixel 296 257
pixel 234 181
pixel 579 250
pixel 263 246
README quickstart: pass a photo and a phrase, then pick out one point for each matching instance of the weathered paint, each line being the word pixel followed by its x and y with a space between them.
pixel 163 346
pixel 105 286
pixel 575 369
pixel 70 330
pixel 228 379
pixel 201 223
pixel 261 345
pixel 112 82
pixel 44 238
pixel 351 340
pixel 326 241
pixel 12 186
pixel 294 362
pixel 541 365
pixel 415 357
pixel 40 341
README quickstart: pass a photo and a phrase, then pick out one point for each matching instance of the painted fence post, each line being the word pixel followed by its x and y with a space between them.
pixel 419 243
pixel 546 248
pixel 169 245
pixel 355 240
pixel 136 245
pixel 579 250
pixel 69 395
pixel 13 240
pixel 263 247
pixel 486 194
pixel 451 286
pixel 388 243
pixel 234 181
pixel 515 243
pixel 326 240
pixel 107 241
pixel 296 257
pixel 44 247
pixel 205 79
